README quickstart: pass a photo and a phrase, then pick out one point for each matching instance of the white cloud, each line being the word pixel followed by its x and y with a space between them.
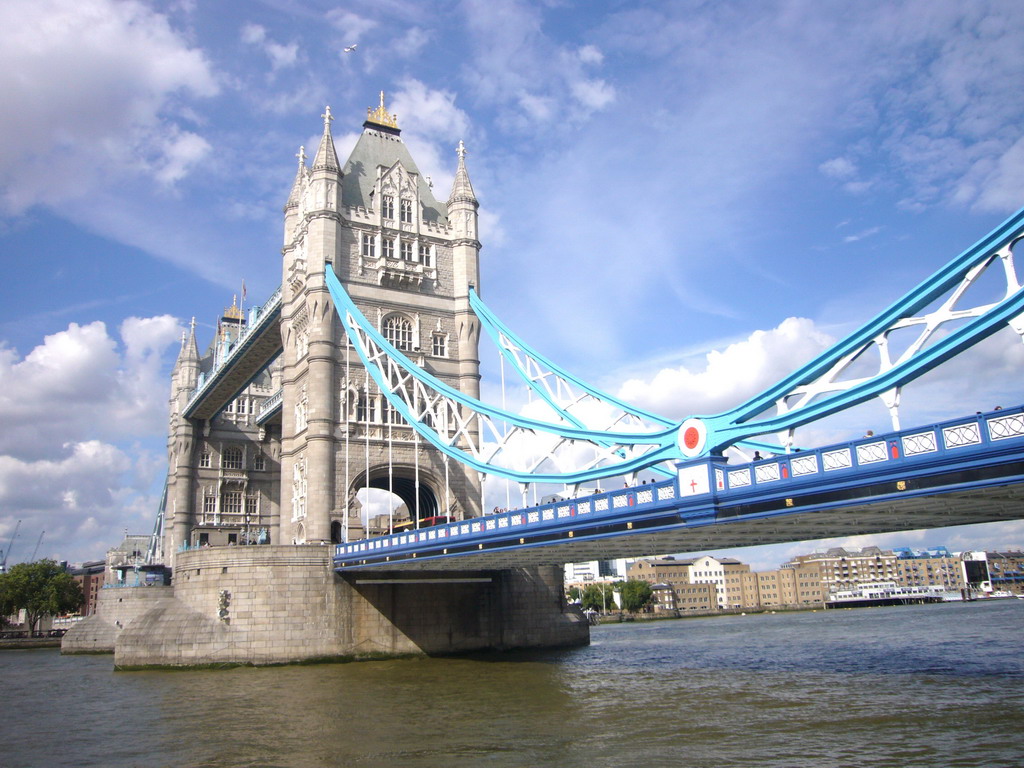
pixel 1000 188
pixel 590 54
pixel 352 26
pixel 518 66
pixel 862 234
pixel 427 112
pixel 412 42
pixel 280 55
pixel 950 129
pixel 69 408
pixel 593 94
pixel 731 375
pixel 253 34
pixel 838 168
pixel 180 152
pixel 88 87
pixel 83 476
pixel 77 385
pixel 83 500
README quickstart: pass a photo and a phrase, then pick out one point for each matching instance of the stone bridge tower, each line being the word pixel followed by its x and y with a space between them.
pixel 408 262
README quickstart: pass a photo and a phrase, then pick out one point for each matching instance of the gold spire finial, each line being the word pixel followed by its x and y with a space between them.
pixel 233 312
pixel 380 115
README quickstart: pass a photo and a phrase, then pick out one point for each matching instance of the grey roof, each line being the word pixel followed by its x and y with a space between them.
pixel 383 148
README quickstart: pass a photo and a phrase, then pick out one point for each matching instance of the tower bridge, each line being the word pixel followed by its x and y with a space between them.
pixel 362 372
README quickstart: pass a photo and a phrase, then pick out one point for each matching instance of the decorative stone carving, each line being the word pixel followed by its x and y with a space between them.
pixel 299 490
pixel 301 410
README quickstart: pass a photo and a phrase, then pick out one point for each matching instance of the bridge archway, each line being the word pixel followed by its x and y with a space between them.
pixel 426 500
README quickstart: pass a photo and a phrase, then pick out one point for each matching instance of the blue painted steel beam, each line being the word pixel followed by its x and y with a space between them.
pixel 962 455
pixel 730 425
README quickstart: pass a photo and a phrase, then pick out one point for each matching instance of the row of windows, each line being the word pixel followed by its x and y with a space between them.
pixel 387 208
pixel 398 332
pixel 230 503
pixel 233 457
pixel 243 405
pixel 406 249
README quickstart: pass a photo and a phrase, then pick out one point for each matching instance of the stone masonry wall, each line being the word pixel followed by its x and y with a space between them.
pixel 116 608
pixel 286 604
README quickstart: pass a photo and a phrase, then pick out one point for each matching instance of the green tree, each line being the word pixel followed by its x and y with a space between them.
pixel 636 595
pixel 598 597
pixel 42 588
pixel 574 594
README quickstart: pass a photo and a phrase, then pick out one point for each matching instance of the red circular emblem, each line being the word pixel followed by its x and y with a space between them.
pixel 691 437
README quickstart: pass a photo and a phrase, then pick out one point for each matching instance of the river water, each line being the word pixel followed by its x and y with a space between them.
pixel 939 685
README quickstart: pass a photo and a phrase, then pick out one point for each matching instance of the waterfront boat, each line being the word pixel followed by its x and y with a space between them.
pixel 882 593
pixel 999 594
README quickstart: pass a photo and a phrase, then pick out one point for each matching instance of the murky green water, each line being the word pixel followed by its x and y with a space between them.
pixel 911 686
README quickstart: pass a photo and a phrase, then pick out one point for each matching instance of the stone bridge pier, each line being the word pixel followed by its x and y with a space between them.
pixel 283 604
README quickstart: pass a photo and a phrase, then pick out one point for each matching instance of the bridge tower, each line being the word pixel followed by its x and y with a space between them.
pixel 408 261
pixel 181 442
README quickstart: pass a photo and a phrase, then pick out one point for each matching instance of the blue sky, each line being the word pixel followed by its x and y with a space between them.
pixel 681 201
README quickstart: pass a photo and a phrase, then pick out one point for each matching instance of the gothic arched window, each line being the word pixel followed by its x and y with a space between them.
pixel 398 331
pixel 231 458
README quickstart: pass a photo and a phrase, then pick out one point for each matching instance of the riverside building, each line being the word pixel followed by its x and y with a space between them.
pixel 934 567
pixel 1006 571
pixel 846 568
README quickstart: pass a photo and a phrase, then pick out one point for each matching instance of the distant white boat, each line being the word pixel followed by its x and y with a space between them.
pixel 885 593
pixel 999 594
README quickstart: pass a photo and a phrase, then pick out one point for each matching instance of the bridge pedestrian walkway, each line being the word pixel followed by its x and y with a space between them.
pixel 967 470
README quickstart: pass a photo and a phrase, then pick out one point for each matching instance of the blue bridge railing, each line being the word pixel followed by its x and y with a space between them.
pixel 703 487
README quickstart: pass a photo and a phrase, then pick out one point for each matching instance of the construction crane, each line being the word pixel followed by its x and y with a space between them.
pixel 3 563
pixel 36 550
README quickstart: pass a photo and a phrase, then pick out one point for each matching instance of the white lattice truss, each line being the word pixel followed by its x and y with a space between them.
pixel 568 397
pixel 937 316
pixel 571 400
pixel 939 324
pixel 494 441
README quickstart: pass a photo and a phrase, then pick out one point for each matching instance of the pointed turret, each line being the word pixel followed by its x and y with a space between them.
pixel 192 348
pixel 292 208
pixel 462 188
pixel 462 210
pixel 323 191
pixel 462 218
pixel 295 196
pixel 326 158
pixel 185 376
pixel 188 355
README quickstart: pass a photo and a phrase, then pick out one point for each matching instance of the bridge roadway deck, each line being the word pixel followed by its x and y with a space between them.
pixel 968 470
